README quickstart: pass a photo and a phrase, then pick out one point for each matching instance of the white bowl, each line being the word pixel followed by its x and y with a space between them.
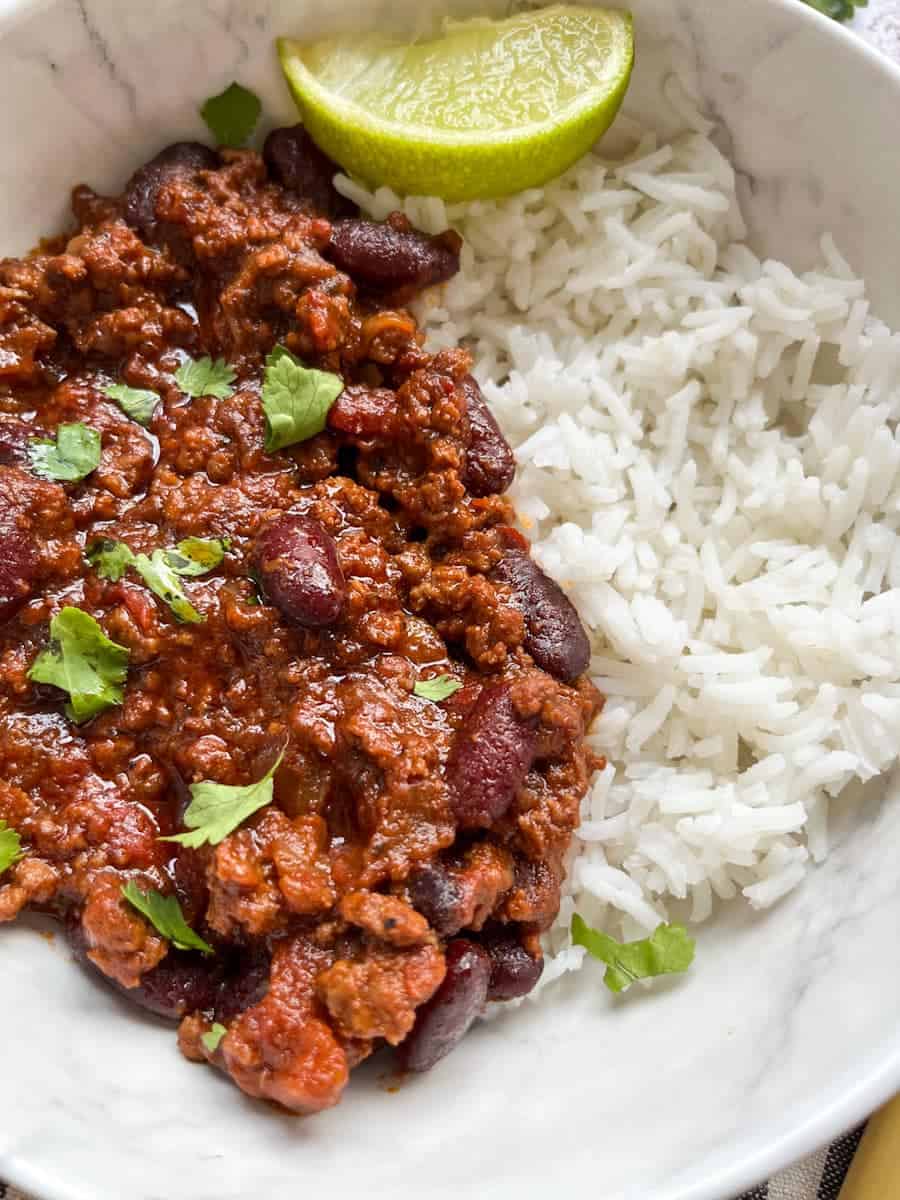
pixel 786 1031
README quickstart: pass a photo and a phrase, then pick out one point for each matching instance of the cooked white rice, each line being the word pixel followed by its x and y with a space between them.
pixel 709 462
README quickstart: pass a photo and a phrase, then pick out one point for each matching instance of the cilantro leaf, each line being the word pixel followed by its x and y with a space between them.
pixel 216 809
pixel 74 454
pixel 213 1036
pixel 295 399
pixel 438 688
pixel 232 115
pixel 165 915
pixel 163 582
pixel 160 570
pixel 137 403
pixel 10 847
pixel 669 950
pixel 203 377
pixel 110 559
pixel 196 556
pixel 82 661
pixel 838 10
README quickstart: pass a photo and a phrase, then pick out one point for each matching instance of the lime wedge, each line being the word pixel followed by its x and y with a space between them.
pixel 485 109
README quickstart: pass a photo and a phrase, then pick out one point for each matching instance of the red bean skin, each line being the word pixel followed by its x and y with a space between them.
pixel 364 412
pixel 514 972
pixel 389 259
pixel 554 635
pixel 491 754
pixel 445 1019
pixel 18 553
pixel 296 563
pixel 14 438
pixel 437 896
pixel 295 161
pixel 143 187
pixel 490 462
pixel 245 984
pixel 182 983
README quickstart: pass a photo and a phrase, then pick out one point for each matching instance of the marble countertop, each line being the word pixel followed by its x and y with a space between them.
pixel 880 25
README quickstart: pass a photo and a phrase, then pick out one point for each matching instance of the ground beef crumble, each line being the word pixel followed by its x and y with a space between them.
pixel 398 822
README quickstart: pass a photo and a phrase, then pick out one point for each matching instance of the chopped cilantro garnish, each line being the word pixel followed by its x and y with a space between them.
pixel 213 1036
pixel 165 915
pixel 109 559
pixel 161 569
pixel 295 399
pixel 838 10
pixel 669 950
pixel 137 403
pixel 74 454
pixel 438 688
pixel 196 556
pixel 232 115
pixel 10 847
pixel 163 581
pixel 217 809
pixel 82 661
pixel 203 377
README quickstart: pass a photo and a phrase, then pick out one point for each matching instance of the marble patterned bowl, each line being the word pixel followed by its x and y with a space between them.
pixel 787 1029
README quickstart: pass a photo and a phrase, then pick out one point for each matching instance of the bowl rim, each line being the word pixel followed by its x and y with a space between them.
pixel 738 1165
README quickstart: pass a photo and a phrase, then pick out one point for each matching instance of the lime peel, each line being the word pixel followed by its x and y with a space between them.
pixel 381 109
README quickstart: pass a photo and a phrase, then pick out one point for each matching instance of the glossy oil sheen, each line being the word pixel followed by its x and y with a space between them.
pixel 786 1030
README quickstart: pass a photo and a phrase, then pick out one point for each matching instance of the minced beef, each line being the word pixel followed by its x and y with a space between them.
pixel 373 555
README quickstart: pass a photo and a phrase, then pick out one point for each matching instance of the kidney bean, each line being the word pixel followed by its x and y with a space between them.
pixel 514 972
pixel 463 892
pixel 388 259
pixel 143 187
pixel 14 435
pixel 245 984
pixel 554 635
pixel 183 982
pixel 445 1019
pixel 296 162
pixel 438 896
pixel 364 412
pixel 489 759
pixel 18 553
pixel 535 895
pixel 490 462
pixel 298 569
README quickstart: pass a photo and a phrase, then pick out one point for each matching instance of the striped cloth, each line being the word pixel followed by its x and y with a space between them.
pixel 819 1177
